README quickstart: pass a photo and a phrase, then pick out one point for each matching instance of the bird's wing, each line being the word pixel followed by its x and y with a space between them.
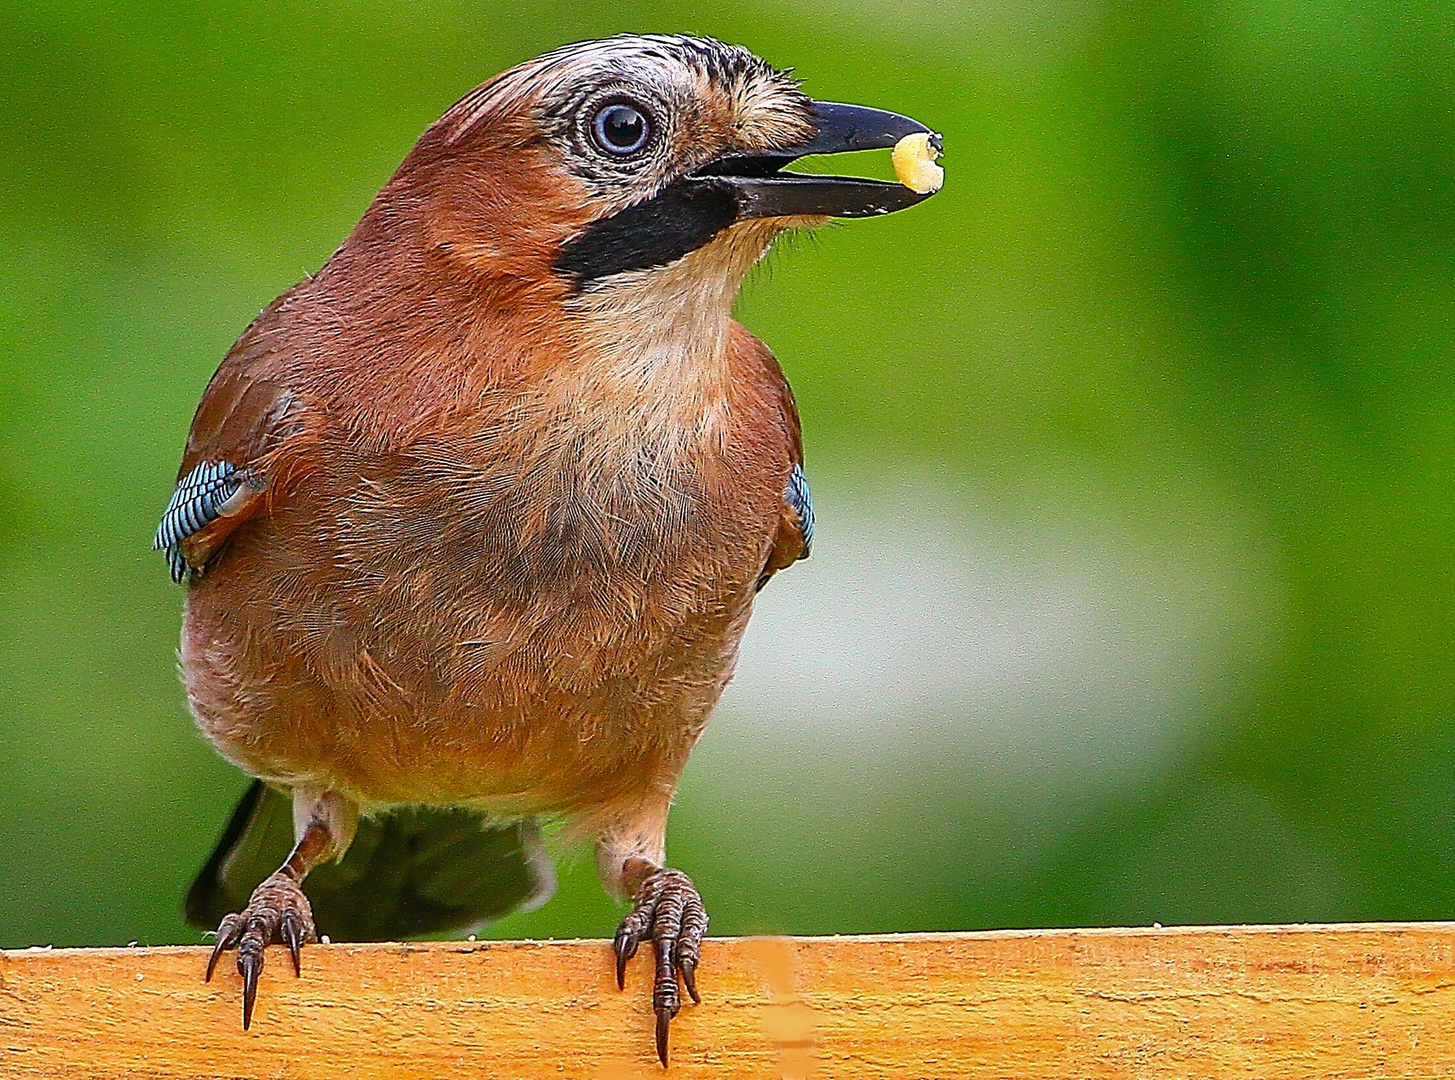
pixel 799 502
pixel 245 416
pixel 794 534
pixel 420 870
pixel 794 539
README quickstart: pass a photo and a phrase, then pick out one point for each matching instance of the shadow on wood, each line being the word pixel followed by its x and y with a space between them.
pixel 1354 1000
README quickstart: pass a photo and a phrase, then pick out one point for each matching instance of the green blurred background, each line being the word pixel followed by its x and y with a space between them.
pixel 1133 450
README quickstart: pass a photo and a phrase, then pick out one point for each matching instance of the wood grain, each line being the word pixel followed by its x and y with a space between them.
pixel 1270 1002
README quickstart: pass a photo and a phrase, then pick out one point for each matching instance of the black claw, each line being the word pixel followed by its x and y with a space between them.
pixel 227 935
pixel 626 947
pixel 664 1021
pixel 249 964
pixel 688 967
pixel 293 936
pixel 212 960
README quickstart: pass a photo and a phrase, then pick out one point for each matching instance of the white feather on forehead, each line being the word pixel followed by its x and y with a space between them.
pixel 651 59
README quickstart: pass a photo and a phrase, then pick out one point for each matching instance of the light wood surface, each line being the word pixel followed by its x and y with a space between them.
pixel 1267 1002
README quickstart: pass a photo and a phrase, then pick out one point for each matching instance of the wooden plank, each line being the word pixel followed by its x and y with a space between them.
pixel 1331 1002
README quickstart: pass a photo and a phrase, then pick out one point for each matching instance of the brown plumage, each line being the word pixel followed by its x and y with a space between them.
pixel 507 475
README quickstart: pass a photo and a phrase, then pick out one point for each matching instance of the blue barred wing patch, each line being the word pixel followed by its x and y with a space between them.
pixel 195 504
pixel 800 499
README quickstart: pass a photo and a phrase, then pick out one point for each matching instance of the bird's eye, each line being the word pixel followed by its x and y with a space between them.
pixel 621 129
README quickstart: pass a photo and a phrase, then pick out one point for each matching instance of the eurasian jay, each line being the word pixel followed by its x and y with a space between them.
pixel 471 521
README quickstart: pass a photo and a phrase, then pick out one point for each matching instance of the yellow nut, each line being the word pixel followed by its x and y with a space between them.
pixel 914 162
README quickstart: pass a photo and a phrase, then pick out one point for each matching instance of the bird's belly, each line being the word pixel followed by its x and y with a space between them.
pixel 420 669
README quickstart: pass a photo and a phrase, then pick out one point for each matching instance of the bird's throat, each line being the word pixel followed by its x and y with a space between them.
pixel 663 332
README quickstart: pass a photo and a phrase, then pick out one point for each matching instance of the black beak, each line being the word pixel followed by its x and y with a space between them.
pixel 762 189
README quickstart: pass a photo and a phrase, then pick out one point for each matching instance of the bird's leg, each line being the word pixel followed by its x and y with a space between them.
pixel 278 913
pixel 668 911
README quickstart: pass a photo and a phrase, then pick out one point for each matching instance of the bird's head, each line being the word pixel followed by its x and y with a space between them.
pixel 635 166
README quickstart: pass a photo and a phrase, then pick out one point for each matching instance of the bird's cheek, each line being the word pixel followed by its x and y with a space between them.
pixel 507 215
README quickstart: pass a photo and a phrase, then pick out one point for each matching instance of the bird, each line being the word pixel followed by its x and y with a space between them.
pixel 471 521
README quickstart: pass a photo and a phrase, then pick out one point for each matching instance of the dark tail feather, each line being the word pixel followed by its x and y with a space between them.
pixel 421 870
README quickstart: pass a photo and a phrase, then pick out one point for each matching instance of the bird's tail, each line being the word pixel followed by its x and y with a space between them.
pixel 420 870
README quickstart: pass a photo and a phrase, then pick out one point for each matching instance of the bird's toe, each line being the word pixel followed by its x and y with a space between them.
pixel 276 914
pixel 668 911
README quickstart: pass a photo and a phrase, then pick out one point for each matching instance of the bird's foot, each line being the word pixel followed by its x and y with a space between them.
pixel 277 914
pixel 668 911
